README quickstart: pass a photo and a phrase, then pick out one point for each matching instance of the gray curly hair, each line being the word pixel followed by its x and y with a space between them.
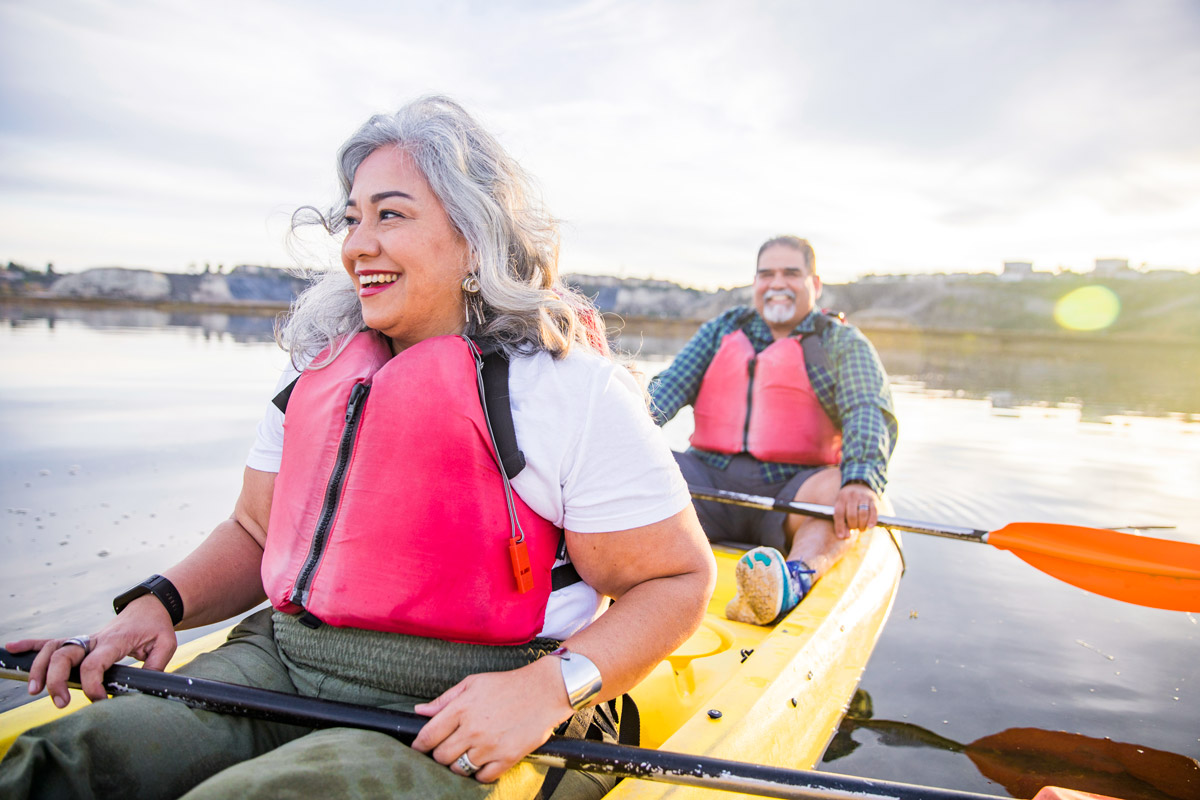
pixel 491 201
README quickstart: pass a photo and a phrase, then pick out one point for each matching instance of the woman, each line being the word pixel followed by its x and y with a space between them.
pixel 406 567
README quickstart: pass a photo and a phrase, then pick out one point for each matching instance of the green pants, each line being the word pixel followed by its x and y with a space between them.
pixel 136 746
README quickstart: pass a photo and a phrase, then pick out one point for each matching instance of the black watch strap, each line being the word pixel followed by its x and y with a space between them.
pixel 161 588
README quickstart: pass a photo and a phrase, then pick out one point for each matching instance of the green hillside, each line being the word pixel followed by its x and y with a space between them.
pixel 1150 305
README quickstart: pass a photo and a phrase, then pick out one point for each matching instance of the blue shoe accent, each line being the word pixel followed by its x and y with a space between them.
pixel 793 589
pixel 802 577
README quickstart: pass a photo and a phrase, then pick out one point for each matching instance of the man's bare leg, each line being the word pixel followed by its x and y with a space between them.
pixel 770 585
pixel 813 541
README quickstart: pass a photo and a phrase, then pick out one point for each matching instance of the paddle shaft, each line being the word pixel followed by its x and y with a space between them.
pixel 578 754
pixel 826 513
pixel 1157 573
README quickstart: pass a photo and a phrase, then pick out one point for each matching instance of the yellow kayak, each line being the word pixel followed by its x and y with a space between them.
pixel 769 695
pixel 765 695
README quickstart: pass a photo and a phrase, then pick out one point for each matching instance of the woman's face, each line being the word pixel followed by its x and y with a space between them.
pixel 402 253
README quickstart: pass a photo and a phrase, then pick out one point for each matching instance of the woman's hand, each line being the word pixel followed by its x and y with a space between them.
pixel 495 718
pixel 142 630
pixel 217 580
pixel 662 576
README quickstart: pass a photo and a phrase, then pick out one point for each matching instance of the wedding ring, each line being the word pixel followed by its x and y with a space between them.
pixel 863 507
pixel 82 641
pixel 466 766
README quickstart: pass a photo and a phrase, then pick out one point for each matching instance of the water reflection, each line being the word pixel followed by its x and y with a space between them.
pixel 238 327
pixel 1023 760
pixel 1100 378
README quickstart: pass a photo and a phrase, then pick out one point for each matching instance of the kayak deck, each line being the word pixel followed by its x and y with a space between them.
pixel 768 695
pixel 781 691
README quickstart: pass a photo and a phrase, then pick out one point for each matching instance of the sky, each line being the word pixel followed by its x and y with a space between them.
pixel 671 138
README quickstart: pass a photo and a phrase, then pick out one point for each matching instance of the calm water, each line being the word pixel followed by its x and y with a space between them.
pixel 122 436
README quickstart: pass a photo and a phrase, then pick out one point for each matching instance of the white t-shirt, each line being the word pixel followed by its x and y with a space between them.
pixel 594 460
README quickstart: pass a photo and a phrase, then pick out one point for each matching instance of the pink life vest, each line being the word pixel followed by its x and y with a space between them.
pixel 763 404
pixel 389 510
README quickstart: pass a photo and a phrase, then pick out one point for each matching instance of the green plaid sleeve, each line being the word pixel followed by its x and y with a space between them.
pixel 678 385
pixel 861 403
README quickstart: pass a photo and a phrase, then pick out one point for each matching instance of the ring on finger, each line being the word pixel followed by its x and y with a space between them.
pixel 464 763
pixel 863 507
pixel 81 641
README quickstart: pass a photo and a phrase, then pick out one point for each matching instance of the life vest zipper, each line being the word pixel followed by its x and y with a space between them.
pixel 749 402
pixel 333 496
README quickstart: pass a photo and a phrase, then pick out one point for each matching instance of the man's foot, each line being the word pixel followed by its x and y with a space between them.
pixel 767 587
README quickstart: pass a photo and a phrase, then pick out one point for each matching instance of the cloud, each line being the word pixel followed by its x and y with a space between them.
pixel 672 137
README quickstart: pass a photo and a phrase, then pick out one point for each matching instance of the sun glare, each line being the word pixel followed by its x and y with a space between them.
pixel 1090 308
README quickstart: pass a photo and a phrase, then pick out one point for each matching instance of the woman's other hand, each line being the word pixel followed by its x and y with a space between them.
pixel 495 718
pixel 662 576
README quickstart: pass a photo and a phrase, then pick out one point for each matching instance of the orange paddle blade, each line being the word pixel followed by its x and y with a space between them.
pixel 1135 569
pixel 1024 759
pixel 1057 793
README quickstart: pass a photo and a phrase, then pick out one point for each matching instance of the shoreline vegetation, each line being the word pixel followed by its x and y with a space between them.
pixel 988 311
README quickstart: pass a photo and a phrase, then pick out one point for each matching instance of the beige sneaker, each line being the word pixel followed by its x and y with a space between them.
pixel 766 590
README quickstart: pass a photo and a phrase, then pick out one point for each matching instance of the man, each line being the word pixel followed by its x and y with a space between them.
pixel 792 403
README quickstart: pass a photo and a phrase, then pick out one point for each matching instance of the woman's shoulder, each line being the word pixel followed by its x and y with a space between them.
pixel 579 371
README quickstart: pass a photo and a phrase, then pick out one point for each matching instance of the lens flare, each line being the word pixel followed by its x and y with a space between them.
pixel 1090 308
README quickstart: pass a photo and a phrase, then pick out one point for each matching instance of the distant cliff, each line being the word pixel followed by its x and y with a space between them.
pixel 242 285
pixel 1155 305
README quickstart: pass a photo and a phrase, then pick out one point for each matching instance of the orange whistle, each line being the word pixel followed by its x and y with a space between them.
pixel 520 565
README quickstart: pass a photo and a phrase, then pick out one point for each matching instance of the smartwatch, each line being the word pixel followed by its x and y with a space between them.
pixel 161 588
pixel 580 676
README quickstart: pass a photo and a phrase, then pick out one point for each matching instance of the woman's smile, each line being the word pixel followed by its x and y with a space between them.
pixel 375 282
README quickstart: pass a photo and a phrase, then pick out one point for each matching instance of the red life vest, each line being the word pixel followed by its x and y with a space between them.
pixel 389 510
pixel 763 404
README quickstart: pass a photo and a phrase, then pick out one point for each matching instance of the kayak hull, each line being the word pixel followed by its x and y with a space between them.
pixel 771 696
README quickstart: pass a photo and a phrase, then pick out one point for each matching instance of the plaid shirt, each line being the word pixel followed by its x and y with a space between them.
pixel 855 393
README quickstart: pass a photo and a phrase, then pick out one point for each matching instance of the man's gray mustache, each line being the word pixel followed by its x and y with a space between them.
pixel 773 293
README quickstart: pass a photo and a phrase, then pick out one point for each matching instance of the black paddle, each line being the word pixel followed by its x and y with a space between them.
pixel 578 754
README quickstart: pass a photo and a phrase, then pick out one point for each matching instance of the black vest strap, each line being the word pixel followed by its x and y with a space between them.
pixel 630 721
pixel 499 409
pixel 563 575
pixel 281 400
pixel 814 351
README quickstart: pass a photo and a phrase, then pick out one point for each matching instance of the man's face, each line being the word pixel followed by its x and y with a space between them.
pixel 785 290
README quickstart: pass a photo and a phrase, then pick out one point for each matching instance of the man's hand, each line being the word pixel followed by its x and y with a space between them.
pixel 857 508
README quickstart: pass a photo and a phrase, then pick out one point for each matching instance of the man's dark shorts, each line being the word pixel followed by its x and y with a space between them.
pixel 730 523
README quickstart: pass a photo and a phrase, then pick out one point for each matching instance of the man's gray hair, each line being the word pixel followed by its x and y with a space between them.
pixel 491 202
pixel 794 242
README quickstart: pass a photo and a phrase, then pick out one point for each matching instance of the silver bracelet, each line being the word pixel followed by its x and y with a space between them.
pixel 580 676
